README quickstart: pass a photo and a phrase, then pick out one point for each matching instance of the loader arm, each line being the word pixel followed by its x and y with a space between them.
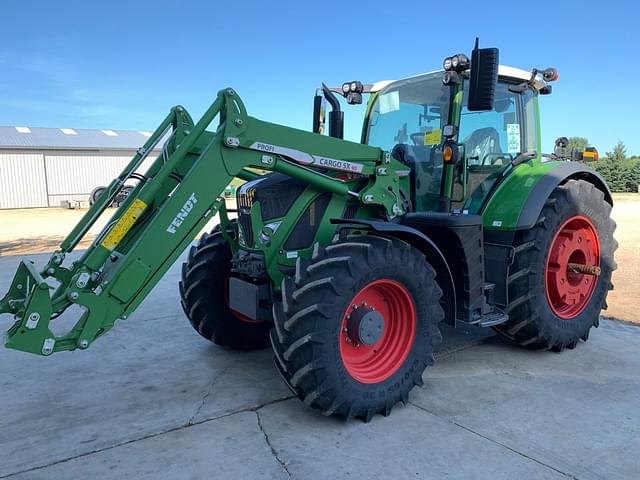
pixel 171 203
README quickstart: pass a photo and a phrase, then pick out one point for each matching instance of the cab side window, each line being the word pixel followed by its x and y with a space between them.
pixel 492 137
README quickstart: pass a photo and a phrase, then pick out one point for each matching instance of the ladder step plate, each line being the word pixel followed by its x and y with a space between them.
pixel 493 318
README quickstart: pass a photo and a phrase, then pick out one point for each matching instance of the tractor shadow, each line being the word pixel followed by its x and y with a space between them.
pixel 42 244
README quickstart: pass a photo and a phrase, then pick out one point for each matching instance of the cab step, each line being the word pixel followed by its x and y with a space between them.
pixel 490 319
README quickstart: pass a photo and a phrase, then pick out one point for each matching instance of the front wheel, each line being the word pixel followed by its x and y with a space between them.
pixel 204 297
pixel 561 273
pixel 357 326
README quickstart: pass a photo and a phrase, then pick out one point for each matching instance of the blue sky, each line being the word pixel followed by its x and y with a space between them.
pixel 123 64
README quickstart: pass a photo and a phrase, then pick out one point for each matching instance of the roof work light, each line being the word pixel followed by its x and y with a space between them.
pixel 458 63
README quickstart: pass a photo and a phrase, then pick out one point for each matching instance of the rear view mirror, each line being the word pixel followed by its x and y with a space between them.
pixel 319 112
pixel 483 79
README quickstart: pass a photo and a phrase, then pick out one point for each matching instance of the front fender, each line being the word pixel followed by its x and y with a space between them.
pixel 420 241
pixel 517 202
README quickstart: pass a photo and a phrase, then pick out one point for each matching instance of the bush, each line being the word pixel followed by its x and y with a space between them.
pixel 621 173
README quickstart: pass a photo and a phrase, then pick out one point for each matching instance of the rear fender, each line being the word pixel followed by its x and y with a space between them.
pixel 517 202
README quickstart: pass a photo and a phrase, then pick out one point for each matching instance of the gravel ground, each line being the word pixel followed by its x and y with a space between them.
pixel 625 298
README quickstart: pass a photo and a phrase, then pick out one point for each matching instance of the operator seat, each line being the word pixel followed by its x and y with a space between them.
pixel 482 144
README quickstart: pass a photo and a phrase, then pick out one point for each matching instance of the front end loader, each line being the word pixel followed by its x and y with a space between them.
pixel 347 256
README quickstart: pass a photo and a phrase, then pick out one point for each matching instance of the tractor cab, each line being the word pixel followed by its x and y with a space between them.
pixel 407 118
pixel 415 118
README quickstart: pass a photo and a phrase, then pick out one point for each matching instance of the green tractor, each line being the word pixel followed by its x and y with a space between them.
pixel 347 256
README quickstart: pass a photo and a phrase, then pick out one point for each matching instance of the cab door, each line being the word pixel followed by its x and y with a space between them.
pixel 492 139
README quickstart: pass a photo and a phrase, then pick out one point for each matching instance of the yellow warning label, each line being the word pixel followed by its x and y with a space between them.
pixel 434 137
pixel 123 225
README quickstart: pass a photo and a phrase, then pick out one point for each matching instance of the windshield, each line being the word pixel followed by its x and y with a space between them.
pixel 407 119
pixel 411 111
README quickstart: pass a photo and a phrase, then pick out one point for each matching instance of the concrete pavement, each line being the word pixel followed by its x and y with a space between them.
pixel 154 400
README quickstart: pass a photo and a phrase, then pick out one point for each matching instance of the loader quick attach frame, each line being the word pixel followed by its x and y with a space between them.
pixel 171 203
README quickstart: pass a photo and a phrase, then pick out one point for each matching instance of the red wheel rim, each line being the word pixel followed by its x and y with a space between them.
pixel 377 362
pixel 236 314
pixel 569 292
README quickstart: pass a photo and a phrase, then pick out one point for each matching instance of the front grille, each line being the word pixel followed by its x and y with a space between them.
pixel 244 199
pixel 275 192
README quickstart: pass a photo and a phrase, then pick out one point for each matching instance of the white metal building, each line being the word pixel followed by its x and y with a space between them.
pixel 42 167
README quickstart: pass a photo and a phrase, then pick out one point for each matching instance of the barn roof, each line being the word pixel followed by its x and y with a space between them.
pixel 71 138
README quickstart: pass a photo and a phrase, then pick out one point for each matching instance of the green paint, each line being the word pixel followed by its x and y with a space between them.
pixel 455 111
pixel 181 193
pixel 505 205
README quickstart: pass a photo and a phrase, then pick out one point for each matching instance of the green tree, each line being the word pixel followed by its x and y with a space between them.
pixel 577 143
pixel 621 173
pixel 619 153
pixel 633 179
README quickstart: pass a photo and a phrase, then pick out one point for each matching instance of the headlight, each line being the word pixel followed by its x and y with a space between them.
pixel 460 62
pixel 352 87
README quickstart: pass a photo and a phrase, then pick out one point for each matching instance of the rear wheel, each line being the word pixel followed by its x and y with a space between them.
pixel 357 326
pixel 95 193
pixel 204 297
pixel 561 273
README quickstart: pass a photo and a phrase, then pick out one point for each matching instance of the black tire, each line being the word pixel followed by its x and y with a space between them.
pixel 533 322
pixel 95 193
pixel 202 293
pixel 309 330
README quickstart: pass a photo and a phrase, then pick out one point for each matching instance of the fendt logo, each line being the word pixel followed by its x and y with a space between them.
pixel 182 214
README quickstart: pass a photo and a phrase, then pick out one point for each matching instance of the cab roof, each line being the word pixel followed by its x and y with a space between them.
pixel 505 72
